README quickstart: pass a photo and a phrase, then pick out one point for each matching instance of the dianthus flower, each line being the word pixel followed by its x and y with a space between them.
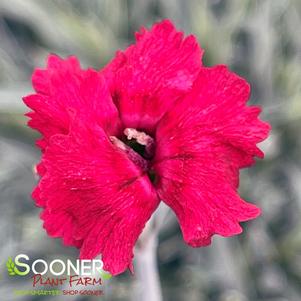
pixel 153 125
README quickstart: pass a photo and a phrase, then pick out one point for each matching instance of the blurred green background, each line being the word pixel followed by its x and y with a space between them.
pixel 261 41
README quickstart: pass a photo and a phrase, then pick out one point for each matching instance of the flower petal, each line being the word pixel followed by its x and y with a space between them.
pixel 201 144
pixel 64 90
pixel 149 76
pixel 95 197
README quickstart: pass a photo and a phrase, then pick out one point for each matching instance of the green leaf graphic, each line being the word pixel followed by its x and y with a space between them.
pixel 10 267
pixel 105 275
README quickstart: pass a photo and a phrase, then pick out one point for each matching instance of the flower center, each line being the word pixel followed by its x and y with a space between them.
pixel 142 143
pixel 139 147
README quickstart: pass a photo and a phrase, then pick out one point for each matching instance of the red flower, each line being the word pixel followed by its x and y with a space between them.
pixel 152 125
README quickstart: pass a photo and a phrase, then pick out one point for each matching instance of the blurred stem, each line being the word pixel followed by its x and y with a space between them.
pixel 146 270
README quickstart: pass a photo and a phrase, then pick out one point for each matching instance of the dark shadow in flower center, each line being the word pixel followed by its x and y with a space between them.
pixel 140 142
pixel 140 149
pixel 137 147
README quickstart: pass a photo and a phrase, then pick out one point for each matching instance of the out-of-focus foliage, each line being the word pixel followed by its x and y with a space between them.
pixel 259 39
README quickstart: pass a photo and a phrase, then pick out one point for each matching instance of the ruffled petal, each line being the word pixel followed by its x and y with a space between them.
pixel 95 198
pixel 63 90
pixel 201 145
pixel 151 75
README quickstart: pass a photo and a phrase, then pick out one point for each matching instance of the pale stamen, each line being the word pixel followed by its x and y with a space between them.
pixel 132 155
pixel 142 139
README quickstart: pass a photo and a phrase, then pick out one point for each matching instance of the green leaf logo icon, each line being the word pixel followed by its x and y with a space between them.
pixel 10 267
pixel 105 275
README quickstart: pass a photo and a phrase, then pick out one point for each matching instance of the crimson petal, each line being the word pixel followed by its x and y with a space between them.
pixel 149 76
pixel 95 197
pixel 201 145
pixel 63 90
